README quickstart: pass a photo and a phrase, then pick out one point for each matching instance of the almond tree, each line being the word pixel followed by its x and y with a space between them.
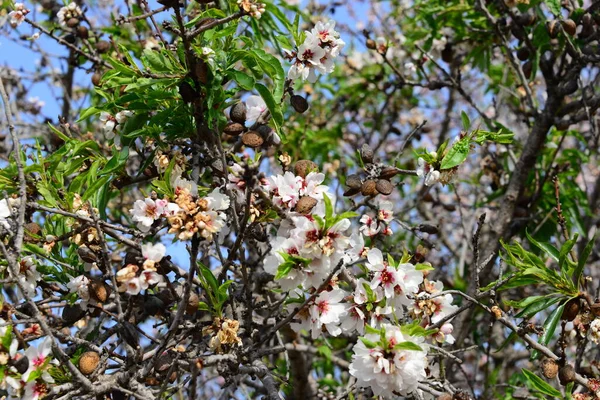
pixel 300 200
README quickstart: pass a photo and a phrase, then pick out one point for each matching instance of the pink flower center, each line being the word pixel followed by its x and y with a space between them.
pixel 150 211
pixel 38 361
pixel 308 54
pixel 323 307
pixel 386 277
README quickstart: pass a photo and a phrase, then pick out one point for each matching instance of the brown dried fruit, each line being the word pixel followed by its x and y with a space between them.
pixel 305 167
pixel 153 305
pixel 163 362
pixel 299 103
pixel 252 139
pixel 305 205
pixel 72 22
pixel 366 153
pixel 102 46
pixel 566 374
pixel 193 303
pixel 31 231
pixel 571 310
pixel 428 228
pixel 21 365
pixel 202 71
pixel 596 309
pixel 72 313
pixel 83 32
pixel 369 188
pixel 238 113
pixel 549 368
pixel 351 192
pixel 353 181
pixel 234 129
pixel 99 290
pixel 523 54
pixel 552 27
pixel 448 53
pixel 587 26
pixel 371 44
pixel 187 92
pixel 87 254
pixel 384 187
pixel 569 26
pixel 388 172
pixel 96 79
pixel 527 69
pixel 88 362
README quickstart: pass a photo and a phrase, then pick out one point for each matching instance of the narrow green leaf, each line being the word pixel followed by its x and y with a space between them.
pixel 540 385
pixel 582 260
pixel 549 327
pixel 408 346
pixel 545 247
pixel 465 120
pixel 368 343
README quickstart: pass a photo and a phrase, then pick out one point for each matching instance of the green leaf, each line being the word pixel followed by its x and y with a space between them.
pixel 549 327
pixel 545 247
pixel 457 154
pixel 513 335
pixel 538 306
pixel 563 258
pixel 408 346
pixel 540 385
pixel 465 120
pixel 272 105
pixel 284 269
pixel 325 351
pixel 554 7
pixel 245 81
pixel 95 187
pixel 116 162
pixel 582 260
pixel 368 343
pixel 87 113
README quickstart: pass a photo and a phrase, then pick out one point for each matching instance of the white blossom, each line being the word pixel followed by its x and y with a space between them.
pixel 39 358
pixel 387 370
pixel 255 109
pixel 5 213
pixel 153 253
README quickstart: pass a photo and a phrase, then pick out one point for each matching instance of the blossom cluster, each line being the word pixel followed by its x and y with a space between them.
pixel 132 279
pixel 17 16
pixel 111 124
pixel 31 382
pixel 390 362
pixel 197 215
pixel 67 12
pixel 311 242
pixel 317 53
